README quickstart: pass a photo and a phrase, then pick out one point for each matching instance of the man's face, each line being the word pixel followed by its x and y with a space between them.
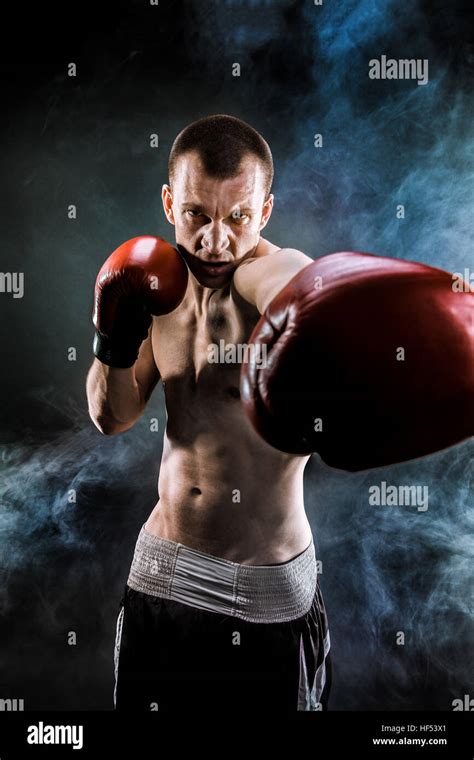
pixel 217 221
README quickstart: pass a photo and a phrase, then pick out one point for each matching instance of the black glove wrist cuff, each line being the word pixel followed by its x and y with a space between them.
pixel 108 352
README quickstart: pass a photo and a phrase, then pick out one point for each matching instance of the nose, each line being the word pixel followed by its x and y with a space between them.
pixel 215 238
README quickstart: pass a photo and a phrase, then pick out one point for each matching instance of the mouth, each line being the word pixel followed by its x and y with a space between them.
pixel 214 268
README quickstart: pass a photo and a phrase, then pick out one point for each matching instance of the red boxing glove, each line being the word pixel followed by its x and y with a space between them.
pixel 369 362
pixel 144 276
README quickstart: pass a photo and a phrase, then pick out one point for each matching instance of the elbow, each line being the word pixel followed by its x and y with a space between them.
pixel 108 426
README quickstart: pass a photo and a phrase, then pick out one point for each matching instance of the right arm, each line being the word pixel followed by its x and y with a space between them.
pixel 144 276
pixel 116 397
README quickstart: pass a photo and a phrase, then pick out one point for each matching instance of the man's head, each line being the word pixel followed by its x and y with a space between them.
pixel 220 171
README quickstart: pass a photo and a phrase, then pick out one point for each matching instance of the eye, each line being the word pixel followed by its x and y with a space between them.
pixel 192 213
pixel 240 218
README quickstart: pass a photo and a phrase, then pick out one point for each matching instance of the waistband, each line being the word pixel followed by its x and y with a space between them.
pixel 256 593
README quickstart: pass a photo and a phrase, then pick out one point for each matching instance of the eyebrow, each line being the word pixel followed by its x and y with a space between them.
pixel 199 207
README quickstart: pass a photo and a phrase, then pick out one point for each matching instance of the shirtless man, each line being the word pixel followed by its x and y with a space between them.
pixel 222 608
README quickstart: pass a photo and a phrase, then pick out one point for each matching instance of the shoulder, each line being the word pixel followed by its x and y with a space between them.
pixel 277 260
pixel 259 278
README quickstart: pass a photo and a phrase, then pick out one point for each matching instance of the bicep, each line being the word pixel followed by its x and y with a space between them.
pixel 259 280
pixel 146 371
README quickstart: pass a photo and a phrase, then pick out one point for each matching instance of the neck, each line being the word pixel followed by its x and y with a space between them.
pixel 202 295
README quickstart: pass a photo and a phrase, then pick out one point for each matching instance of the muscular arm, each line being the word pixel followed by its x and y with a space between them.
pixel 258 280
pixel 117 397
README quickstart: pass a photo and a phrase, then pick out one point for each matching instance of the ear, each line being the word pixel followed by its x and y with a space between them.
pixel 167 198
pixel 266 212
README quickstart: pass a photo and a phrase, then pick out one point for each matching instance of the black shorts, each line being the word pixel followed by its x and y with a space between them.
pixel 173 657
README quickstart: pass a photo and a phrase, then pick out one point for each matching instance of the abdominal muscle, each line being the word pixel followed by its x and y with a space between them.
pixel 237 499
pixel 222 489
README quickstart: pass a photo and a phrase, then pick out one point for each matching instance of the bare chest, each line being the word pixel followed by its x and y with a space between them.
pixel 204 349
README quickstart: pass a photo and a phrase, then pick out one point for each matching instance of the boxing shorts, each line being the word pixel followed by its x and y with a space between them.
pixel 198 633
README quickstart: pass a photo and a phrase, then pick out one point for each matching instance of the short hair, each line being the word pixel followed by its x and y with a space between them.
pixel 222 142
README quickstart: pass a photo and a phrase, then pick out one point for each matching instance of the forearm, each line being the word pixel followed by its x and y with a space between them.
pixel 113 397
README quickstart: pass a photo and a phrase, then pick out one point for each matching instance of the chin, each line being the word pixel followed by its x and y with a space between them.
pixel 205 279
pixel 214 283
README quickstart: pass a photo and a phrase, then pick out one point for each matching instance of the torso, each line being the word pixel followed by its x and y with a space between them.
pixel 222 489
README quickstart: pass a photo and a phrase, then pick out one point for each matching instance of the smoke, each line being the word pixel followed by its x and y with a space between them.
pixel 72 501
pixel 71 505
pixel 385 143
pixel 393 569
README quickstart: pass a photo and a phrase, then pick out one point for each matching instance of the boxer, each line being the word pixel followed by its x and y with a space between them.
pixel 222 608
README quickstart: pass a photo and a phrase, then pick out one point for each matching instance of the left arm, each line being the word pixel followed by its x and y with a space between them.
pixel 259 280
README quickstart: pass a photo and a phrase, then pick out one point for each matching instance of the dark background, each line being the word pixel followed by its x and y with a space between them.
pixel 85 141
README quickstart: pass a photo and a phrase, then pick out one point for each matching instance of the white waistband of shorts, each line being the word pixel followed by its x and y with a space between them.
pixel 256 593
